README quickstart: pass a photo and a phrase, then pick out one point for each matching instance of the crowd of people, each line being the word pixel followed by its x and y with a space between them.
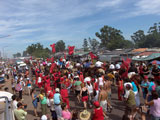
pixel 91 82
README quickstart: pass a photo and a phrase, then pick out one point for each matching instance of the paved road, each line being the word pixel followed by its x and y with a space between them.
pixel 117 113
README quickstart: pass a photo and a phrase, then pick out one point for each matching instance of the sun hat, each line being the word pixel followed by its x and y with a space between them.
pixel 57 89
pixel 85 115
pixel 44 117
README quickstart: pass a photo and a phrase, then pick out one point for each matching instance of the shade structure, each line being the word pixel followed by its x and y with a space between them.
pixel 156 62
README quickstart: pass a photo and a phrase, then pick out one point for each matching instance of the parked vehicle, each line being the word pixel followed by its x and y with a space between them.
pixel 2 80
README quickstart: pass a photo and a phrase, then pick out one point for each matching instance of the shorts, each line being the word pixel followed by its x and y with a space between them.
pixel 130 109
pixel 77 92
pixel 109 95
pixel 35 103
pixel 85 98
pixel 103 104
pixel 13 88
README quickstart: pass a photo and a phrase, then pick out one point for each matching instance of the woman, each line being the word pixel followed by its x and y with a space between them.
pixel 34 101
pixel 154 106
pixel 77 85
pixel 29 85
pixel 84 94
pixel 98 112
pixel 144 86
pixel 90 89
pixel 130 101
pixel 65 112
pixel 145 71
pixel 43 101
pixel 19 88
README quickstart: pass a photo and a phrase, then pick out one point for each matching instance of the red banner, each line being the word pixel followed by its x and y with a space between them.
pixel 92 56
pixel 53 48
pixel 71 50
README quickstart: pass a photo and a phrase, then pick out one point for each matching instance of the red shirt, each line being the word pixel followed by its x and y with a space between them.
pixel 64 93
pixel 96 86
pixel 50 96
pixel 98 114
pixel 81 78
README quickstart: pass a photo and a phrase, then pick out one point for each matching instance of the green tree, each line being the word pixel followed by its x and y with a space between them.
pixel 37 50
pixel 18 54
pixel 85 45
pixel 111 38
pixel 60 46
pixel 32 48
pixel 94 44
pixel 24 53
pixel 152 39
pixel 139 38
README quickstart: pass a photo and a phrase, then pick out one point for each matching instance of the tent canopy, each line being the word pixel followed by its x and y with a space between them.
pixel 150 57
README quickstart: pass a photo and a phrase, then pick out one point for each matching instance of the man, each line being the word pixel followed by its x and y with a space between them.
pixel 57 102
pixel 19 113
pixel 103 99
pixel 155 72
pixel 107 87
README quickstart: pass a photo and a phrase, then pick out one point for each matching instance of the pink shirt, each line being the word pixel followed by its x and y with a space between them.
pixel 155 109
pixel 66 115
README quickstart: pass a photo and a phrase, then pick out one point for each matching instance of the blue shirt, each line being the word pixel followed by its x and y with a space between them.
pixel 87 65
pixel 57 98
pixel 135 89
pixel 150 86
pixel 144 84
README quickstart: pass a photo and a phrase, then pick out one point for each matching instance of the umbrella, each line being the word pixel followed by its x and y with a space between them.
pixel 156 62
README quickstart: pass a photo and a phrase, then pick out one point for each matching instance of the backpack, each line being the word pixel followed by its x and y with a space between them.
pixel 18 87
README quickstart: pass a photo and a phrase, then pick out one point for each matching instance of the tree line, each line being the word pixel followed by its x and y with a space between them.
pixel 109 38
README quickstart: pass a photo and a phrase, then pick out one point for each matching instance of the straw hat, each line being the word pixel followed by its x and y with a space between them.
pixel 85 115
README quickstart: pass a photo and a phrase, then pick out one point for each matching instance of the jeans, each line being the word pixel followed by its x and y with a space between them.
pixel 58 110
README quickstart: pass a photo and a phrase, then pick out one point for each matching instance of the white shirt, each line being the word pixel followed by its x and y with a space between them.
pixel 100 81
pixel 90 88
pixel 14 104
pixel 39 79
pixel 99 64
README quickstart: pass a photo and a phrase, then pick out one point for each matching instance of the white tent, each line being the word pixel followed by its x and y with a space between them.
pixel 6 94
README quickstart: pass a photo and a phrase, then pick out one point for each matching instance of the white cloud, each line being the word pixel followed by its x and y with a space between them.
pixel 146 7
pixel 109 3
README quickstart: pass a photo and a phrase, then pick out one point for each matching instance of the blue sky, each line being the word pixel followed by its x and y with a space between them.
pixel 47 21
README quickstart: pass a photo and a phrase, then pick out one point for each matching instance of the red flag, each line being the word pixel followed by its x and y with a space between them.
pixel 128 60
pixel 52 59
pixel 71 50
pixel 92 56
pixel 53 48
pixel 64 55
